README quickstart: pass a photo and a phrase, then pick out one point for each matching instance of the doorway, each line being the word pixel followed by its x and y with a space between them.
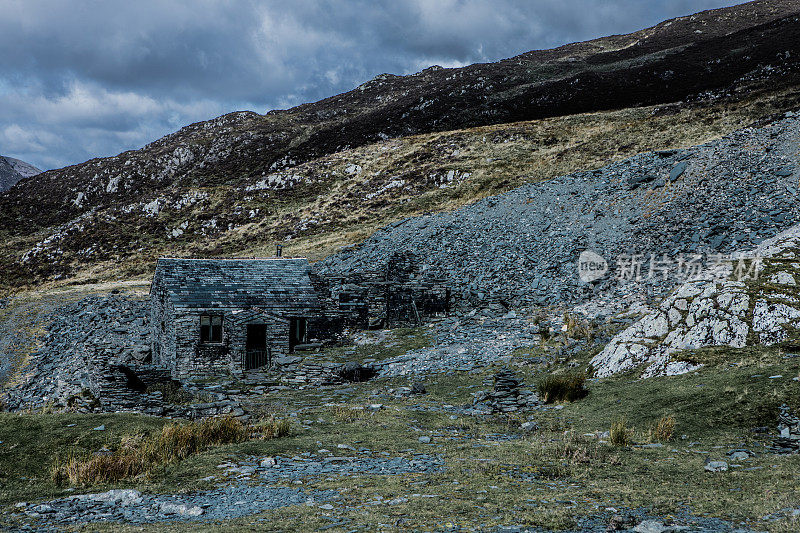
pixel 256 352
pixel 297 332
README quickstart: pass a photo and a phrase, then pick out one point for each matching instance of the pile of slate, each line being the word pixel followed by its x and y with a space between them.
pixel 507 395
pixel 788 440
pixel 321 373
pixel 299 372
pixel 724 196
pixel 113 328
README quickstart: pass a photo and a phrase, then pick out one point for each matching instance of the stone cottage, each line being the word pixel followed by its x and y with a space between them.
pixel 210 316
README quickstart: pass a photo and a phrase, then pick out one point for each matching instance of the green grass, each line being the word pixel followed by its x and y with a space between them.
pixel 568 387
pixel 519 481
pixel 32 442
pixel 384 344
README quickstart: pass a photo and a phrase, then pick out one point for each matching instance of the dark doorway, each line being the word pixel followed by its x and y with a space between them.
pixel 256 354
pixel 297 332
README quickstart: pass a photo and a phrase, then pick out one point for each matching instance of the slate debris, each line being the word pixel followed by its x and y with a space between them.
pixel 310 464
pixel 95 358
pixel 115 326
pixel 132 506
pixel 466 341
pixel 507 394
pixel 235 500
pixel 788 439
pixel 521 247
pixel 418 388
pixel 678 170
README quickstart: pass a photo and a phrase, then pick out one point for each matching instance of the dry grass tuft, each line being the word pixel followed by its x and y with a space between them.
pixel 137 455
pixel 346 414
pixel 663 430
pixel 620 434
pixel 272 428
pixel 561 388
pixel 577 328
pixel 559 458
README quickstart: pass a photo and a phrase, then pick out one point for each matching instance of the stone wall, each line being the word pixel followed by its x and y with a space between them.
pixel 192 359
pixel 125 387
pixel 277 339
pixel 162 331
pixel 402 294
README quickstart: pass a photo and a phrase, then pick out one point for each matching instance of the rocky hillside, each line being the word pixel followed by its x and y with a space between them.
pixel 514 256
pixel 653 210
pixel 325 174
pixel 13 170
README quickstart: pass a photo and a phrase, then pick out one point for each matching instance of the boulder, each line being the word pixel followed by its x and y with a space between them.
pixel 716 466
pixel 355 372
pixel 418 388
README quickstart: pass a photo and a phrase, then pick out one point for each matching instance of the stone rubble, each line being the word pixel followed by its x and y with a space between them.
pixel 466 342
pixel 521 247
pixel 309 371
pixel 132 506
pixel 94 358
pixel 309 464
pixel 788 439
pixel 235 500
pixel 507 395
pixel 59 370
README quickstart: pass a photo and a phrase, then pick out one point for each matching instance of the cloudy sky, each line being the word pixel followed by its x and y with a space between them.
pixel 82 79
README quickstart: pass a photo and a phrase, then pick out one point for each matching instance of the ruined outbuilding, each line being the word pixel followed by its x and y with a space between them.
pixel 214 316
pixel 403 293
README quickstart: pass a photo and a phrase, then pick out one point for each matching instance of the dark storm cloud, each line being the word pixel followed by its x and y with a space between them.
pixel 81 79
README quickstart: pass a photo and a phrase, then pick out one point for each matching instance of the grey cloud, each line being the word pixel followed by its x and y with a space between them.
pixel 83 79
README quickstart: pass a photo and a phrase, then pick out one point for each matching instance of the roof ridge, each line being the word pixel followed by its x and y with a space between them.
pixel 282 283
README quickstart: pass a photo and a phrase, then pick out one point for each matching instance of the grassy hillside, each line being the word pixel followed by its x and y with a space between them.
pixel 339 199
pixel 496 473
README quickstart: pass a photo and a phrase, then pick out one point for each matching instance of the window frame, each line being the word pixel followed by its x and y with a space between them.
pixel 214 323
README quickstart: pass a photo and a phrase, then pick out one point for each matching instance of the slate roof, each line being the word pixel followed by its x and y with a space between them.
pixel 281 285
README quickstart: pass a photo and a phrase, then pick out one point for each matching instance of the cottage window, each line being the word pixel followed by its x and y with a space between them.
pixel 210 328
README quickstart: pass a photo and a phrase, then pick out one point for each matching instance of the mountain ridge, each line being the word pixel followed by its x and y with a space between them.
pixel 14 170
pixel 739 51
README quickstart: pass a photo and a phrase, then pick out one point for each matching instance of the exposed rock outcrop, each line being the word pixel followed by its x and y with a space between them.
pixel 751 300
